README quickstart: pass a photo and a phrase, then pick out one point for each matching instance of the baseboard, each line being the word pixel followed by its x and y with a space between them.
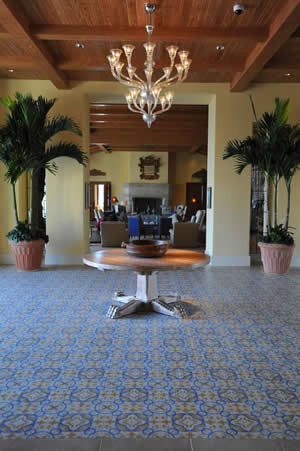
pixel 295 261
pixel 55 259
pixel 6 259
pixel 243 260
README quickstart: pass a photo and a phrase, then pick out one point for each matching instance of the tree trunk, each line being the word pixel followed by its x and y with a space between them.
pixel 266 220
pixel 37 194
pixel 287 216
pixel 15 203
pixel 275 201
pixel 27 196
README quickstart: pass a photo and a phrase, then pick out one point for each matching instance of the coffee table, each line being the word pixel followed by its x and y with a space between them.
pixel 146 298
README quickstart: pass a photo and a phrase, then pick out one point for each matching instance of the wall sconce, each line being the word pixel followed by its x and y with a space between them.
pixel 194 200
pixel 114 199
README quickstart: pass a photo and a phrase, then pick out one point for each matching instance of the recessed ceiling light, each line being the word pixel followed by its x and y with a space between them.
pixel 79 45
pixel 287 74
pixel 220 48
pixel 10 70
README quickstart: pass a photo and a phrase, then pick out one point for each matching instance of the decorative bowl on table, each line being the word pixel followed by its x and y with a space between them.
pixel 146 248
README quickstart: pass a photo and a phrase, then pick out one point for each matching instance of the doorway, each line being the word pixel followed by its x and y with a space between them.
pixel 100 197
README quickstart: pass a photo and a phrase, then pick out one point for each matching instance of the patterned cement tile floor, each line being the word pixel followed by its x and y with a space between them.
pixel 67 371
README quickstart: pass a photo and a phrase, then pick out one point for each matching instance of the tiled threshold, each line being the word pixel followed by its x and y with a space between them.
pixel 107 444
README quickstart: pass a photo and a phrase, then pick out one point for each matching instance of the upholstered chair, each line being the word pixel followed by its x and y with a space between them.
pixel 113 233
pixel 187 234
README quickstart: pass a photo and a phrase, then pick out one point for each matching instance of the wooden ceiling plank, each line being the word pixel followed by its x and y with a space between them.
pixel 18 62
pixel 108 33
pixel 284 25
pixel 18 27
pixel 282 66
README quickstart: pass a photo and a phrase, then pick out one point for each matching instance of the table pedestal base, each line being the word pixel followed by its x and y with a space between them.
pixel 147 300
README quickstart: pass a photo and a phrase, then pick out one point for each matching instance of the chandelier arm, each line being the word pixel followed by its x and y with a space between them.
pixel 163 110
pixel 141 80
pixel 156 98
pixel 122 78
pixel 185 75
pixel 133 110
pixel 159 80
pixel 170 82
pixel 138 108
pixel 164 76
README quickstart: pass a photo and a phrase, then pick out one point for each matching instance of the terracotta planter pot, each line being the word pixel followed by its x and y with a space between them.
pixel 28 254
pixel 276 258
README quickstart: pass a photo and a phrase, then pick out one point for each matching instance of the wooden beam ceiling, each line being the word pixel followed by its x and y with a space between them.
pixel 17 25
pixel 180 129
pixel 284 25
pixel 38 38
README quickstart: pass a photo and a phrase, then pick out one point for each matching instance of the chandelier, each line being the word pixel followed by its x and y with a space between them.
pixel 148 97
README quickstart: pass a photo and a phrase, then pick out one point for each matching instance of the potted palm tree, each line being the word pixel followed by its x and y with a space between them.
pixel 274 149
pixel 25 147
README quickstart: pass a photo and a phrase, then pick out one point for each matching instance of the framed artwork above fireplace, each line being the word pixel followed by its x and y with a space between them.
pixel 149 168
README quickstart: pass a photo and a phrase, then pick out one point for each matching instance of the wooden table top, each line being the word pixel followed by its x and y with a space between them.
pixel 120 260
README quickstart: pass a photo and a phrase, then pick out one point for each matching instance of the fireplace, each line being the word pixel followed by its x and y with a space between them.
pixel 148 205
pixel 140 195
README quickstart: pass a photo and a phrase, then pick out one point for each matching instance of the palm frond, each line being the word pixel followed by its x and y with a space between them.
pixel 282 109
pixel 60 124
pixel 253 107
pixel 65 149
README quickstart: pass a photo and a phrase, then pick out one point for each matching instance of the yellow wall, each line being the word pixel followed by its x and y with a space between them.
pixel 123 167
pixel 230 117
pixel 186 165
pixel 116 167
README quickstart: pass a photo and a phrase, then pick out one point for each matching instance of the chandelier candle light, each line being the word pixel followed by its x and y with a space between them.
pixel 146 96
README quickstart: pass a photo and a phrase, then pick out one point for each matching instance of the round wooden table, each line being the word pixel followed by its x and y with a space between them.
pixel 146 298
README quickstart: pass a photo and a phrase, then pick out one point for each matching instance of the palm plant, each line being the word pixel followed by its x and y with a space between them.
pixel 274 149
pixel 25 147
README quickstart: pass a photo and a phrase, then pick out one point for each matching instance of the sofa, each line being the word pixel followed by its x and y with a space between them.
pixel 113 233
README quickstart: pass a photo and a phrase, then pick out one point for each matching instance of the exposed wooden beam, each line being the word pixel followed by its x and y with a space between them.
pixel 101 63
pixel 108 33
pixel 17 25
pixel 144 149
pixel 165 119
pixel 201 148
pixel 144 136
pixel 296 35
pixel 112 108
pixel 95 148
pixel 169 126
pixel 284 25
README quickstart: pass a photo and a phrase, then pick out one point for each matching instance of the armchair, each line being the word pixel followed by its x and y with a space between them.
pixel 113 233
pixel 187 234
